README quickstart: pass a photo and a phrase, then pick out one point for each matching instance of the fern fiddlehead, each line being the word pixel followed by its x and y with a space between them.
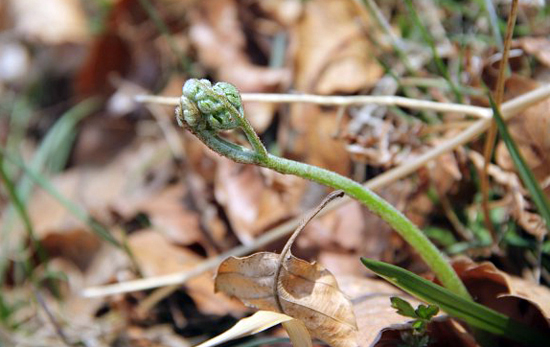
pixel 206 110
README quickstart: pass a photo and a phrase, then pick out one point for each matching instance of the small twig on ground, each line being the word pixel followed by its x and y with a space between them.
pixel 389 100
pixel 509 109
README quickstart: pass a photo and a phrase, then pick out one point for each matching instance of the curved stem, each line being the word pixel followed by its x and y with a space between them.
pixel 414 236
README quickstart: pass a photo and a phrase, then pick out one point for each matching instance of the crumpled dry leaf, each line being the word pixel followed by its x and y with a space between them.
pixel 522 300
pixel 286 284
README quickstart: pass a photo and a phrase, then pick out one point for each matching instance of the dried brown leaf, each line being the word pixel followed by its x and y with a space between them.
pixel 332 52
pixel 221 45
pixel 157 256
pixel 255 199
pixel 522 300
pixel 316 146
pixel 286 284
pixel 169 215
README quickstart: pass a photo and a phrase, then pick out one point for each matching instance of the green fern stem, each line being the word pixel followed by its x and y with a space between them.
pixel 206 110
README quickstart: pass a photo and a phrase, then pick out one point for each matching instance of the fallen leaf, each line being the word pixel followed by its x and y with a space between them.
pixel 157 256
pixel 285 12
pixel 217 33
pixel 330 55
pixel 350 231
pixel 515 200
pixel 286 284
pixel 332 51
pixel 318 147
pixel 255 199
pixel 108 54
pixel 524 301
pixel 169 216
pixel 371 304
pixel 221 44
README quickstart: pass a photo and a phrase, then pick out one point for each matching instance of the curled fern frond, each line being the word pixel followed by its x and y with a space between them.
pixel 207 109
pixel 210 107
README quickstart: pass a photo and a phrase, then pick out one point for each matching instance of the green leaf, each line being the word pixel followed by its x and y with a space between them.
pixel 427 312
pixel 419 324
pixel 403 307
pixel 472 313
pixel 524 171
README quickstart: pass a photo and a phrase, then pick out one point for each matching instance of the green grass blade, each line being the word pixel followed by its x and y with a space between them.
pixel 21 210
pixel 54 146
pixel 524 171
pixel 470 312
pixel 73 208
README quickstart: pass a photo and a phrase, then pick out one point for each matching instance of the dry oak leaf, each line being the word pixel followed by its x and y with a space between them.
pixel 283 283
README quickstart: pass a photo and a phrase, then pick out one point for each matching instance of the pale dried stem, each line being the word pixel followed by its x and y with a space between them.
pixel 508 110
pixel 388 100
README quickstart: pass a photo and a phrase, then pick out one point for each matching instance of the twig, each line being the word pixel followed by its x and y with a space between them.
pixel 390 100
pixel 509 109
pixel 492 133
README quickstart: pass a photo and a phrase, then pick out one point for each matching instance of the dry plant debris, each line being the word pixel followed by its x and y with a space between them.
pixel 286 284
pixel 177 206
